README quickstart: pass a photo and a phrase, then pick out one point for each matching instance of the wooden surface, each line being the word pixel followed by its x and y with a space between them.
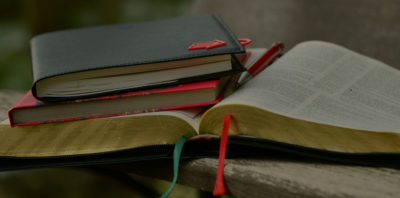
pixel 267 176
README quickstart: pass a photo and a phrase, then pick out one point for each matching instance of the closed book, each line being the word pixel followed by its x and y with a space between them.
pixel 95 61
pixel 30 111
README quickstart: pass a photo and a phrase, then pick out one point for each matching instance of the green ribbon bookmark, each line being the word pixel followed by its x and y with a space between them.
pixel 177 155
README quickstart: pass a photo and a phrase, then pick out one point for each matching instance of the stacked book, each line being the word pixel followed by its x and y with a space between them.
pixel 128 69
pixel 319 99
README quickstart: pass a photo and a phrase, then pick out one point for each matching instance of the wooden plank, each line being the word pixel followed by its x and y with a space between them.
pixel 271 177
pixel 262 177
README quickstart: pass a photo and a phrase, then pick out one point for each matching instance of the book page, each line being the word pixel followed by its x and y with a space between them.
pixel 191 115
pixel 97 135
pixel 328 84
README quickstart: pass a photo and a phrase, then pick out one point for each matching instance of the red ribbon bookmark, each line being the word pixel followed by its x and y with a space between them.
pixel 219 188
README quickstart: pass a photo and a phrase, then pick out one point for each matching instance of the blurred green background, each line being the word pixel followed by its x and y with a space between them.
pixel 20 20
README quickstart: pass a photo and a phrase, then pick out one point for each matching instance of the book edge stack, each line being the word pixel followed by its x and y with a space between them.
pixel 31 104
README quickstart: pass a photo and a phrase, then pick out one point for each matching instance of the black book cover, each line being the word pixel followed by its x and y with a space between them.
pixel 92 48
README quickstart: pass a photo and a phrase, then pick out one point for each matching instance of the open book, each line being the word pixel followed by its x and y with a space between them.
pixel 318 95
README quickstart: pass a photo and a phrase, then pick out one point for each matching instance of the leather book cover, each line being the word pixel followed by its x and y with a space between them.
pixel 77 50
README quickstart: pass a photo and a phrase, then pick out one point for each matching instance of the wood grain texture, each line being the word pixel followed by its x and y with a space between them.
pixel 272 177
pixel 266 177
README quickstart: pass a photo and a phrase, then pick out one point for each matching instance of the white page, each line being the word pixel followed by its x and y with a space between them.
pixel 325 83
pixel 191 116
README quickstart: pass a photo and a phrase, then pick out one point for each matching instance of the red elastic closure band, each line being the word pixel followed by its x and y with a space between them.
pixel 216 43
pixel 245 41
pixel 219 188
pixel 207 45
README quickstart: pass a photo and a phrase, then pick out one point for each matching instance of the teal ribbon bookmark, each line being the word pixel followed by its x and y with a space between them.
pixel 177 156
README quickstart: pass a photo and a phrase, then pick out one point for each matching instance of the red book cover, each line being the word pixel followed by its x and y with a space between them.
pixel 29 102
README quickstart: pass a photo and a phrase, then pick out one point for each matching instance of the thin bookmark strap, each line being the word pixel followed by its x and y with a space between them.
pixel 219 188
pixel 177 155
